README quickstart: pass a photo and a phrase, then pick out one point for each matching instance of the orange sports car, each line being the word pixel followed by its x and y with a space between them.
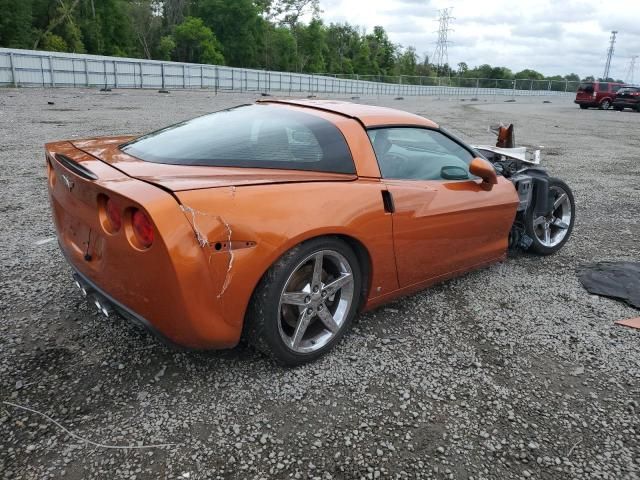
pixel 279 221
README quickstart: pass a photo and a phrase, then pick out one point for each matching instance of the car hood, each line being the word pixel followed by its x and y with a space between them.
pixel 186 177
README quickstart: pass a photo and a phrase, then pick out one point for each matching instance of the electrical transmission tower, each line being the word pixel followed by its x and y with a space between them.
pixel 441 54
pixel 609 54
pixel 631 70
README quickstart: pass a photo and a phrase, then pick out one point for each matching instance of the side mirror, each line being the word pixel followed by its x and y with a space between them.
pixel 454 173
pixel 483 169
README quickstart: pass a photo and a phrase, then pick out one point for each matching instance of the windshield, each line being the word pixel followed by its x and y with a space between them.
pixel 258 136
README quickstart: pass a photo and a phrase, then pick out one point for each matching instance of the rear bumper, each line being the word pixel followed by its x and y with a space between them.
pixel 107 304
pixel 166 288
pixel 587 103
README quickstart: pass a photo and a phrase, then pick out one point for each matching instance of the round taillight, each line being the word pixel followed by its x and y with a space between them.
pixel 142 228
pixel 114 215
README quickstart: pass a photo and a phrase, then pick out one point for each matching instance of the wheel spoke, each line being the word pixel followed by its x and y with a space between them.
pixel 560 224
pixel 295 298
pixel 559 201
pixel 539 221
pixel 331 288
pixel 303 322
pixel 317 269
pixel 328 320
pixel 547 234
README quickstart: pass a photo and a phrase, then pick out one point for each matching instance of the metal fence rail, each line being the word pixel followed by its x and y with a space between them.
pixel 29 68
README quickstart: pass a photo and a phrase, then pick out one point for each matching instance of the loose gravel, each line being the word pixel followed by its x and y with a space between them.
pixel 510 372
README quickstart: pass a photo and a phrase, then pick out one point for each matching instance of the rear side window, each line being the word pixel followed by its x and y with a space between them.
pixel 603 87
pixel 254 136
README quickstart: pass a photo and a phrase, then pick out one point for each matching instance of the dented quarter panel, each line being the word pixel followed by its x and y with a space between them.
pixel 265 221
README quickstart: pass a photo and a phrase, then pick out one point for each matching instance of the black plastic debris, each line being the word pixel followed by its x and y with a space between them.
pixel 619 280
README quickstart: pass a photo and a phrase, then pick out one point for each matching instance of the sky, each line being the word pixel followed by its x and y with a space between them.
pixel 554 37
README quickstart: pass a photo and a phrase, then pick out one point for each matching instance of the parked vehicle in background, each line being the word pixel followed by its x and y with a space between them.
pixel 627 97
pixel 597 94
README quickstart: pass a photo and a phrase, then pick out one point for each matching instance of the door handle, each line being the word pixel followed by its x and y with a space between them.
pixel 387 201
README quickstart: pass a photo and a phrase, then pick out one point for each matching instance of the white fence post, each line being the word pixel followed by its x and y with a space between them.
pixel 53 82
pixel 13 70
pixel 42 69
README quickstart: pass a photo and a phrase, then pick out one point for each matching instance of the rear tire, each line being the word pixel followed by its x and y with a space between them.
pixel 605 104
pixel 583 107
pixel 305 302
pixel 550 232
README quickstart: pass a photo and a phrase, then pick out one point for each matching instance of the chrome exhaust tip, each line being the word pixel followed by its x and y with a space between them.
pixel 82 286
pixel 103 306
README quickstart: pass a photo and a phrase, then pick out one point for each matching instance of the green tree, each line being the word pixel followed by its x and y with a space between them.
pixel 166 47
pixel 146 23
pixel 16 23
pixel 236 25
pixel 407 61
pixel 54 43
pixel 312 47
pixel 196 43
pixel 343 42
pixel 383 51
pixel 529 74
pixel 363 63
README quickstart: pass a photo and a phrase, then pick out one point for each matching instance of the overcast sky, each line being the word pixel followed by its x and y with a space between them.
pixel 551 36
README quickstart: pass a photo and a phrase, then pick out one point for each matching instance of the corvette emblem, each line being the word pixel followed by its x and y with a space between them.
pixel 68 182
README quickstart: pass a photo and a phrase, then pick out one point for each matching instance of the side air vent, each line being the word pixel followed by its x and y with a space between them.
pixel 387 201
pixel 75 167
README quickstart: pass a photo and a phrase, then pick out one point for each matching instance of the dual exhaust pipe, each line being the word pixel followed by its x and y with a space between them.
pixel 101 303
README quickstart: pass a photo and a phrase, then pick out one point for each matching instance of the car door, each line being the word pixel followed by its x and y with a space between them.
pixel 444 219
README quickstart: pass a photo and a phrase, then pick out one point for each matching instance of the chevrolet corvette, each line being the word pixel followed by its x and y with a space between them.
pixel 278 222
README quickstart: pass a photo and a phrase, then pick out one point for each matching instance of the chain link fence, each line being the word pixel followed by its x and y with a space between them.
pixel 28 68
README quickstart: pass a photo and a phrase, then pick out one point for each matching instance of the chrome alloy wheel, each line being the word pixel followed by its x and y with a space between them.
pixel 315 301
pixel 552 228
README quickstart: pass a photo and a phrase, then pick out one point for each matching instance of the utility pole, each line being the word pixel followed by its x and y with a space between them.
pixel 628 78
pixel 607 66
pixel 441 54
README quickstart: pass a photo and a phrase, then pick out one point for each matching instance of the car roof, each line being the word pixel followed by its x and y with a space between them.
pixel 368 115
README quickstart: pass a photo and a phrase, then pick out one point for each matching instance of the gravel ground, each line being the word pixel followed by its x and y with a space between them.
pixel 511 372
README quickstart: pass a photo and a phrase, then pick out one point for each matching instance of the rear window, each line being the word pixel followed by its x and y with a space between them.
pixel 586 87
pixel 252 136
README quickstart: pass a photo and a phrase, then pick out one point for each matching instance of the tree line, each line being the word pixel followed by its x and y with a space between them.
pixel 283 35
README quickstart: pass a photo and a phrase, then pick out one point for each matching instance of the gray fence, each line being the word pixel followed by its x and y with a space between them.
pixel 28 68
